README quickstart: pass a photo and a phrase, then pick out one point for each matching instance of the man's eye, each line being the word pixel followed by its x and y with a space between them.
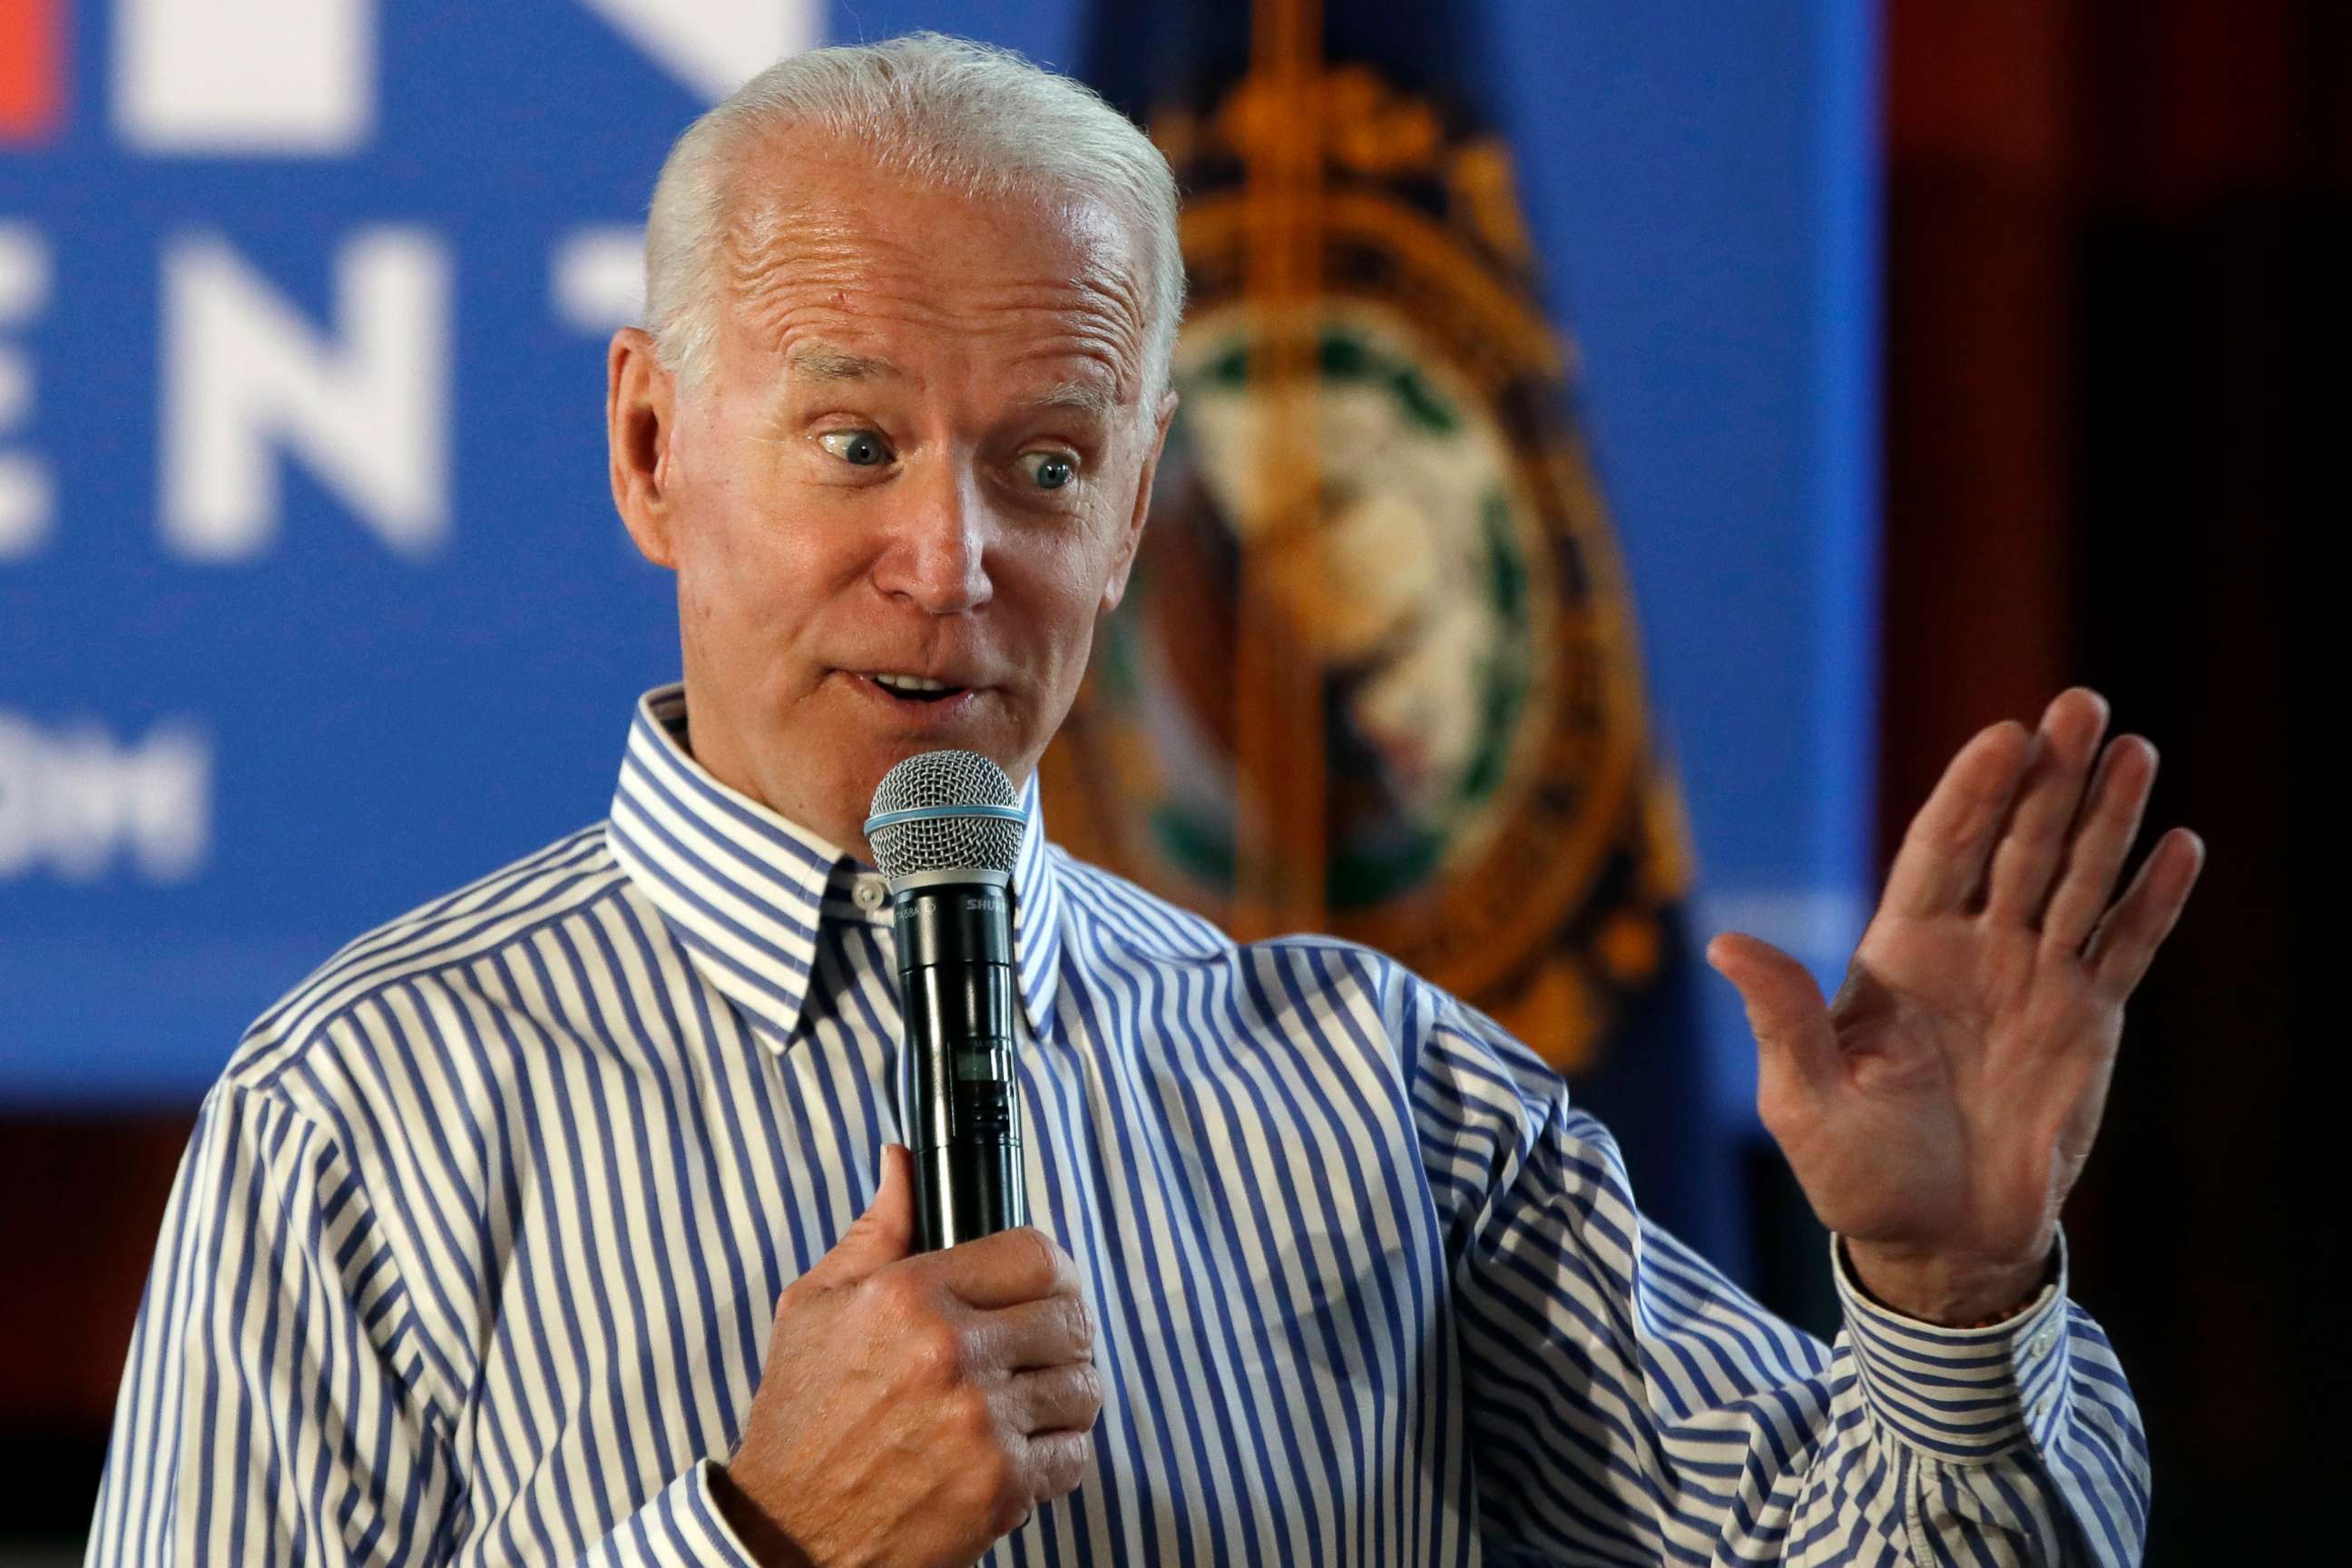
pixel 1049 470
pixel 861 448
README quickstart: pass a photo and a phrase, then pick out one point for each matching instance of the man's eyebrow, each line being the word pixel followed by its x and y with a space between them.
pixel 823 361
pixel 1085 396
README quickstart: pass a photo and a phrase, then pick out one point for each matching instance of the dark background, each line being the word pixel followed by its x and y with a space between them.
pixel 2116 241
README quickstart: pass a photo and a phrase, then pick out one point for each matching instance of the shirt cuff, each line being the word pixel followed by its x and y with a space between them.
pixel 1965 1394
pixel 680 1523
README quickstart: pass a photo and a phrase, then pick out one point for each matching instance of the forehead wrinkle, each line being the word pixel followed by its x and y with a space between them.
pixel 772 247
pixel 1081 298
pixel 1081 325
pixel 792 268
pixel 866 291
pixel 783 226
pixel 1047 343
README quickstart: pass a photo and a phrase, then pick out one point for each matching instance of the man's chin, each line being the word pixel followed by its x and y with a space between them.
pixel 822 774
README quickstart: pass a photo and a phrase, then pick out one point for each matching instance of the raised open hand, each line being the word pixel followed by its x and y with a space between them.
pixel 1939 1111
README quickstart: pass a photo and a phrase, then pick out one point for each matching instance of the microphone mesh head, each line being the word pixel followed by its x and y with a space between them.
pixel 941 843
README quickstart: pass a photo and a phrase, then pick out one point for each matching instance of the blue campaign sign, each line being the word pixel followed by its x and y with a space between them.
pixel 312 602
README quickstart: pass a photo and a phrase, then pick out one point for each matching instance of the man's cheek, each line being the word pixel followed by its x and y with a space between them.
pixel 1070 567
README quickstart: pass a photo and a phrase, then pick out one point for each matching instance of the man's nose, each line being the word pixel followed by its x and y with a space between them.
pixel 937 556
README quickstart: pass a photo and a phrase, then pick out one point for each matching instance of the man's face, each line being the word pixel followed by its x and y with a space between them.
pixel 912 483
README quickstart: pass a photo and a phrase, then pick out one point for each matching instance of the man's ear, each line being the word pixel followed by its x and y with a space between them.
pixel 640 405
pixel 1131 539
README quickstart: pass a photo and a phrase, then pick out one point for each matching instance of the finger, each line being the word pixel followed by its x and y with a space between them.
pixel 2120 951
pixel 1942 861
pixel 1054 1398
pixel 1058 1463
pixel 1051 1333
pixel 1796 1047
pixel 879 1236
pixel 2026 857
pixel 2102 840
pixel 1003 1270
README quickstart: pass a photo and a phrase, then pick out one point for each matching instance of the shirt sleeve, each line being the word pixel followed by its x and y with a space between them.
pixel 278 1404
pixel 1626 1402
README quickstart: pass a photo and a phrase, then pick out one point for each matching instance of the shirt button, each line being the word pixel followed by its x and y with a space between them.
pixel 870 892
pixel 2039 1345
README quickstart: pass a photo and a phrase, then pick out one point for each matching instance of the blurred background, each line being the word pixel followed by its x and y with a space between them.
pixel 1698 420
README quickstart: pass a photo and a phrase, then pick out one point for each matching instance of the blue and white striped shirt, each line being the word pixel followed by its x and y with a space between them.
pixel 474 1252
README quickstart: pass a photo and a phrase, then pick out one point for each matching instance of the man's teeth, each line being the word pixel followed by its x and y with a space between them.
pixel 911 683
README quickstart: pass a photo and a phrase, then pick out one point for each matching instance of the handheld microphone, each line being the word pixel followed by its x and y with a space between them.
pixel 946 831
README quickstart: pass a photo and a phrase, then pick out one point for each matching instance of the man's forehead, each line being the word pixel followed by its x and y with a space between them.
pixel 823 243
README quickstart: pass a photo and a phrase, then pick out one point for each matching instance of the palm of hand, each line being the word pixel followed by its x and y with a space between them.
pixel 1941 1107
pixel 1965 1051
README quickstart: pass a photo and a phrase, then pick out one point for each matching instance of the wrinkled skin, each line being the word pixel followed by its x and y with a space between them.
pixel 915 1409
pixel 925 448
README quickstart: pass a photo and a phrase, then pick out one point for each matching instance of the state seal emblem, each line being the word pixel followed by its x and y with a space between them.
pixel 1377 672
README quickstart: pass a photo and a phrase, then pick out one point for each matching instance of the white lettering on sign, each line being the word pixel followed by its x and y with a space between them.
pixel 23 273
pixel 74 801
pixel 715 45
pixel 253 76
pixel 367 410
pixel 596 278
pixel 28 501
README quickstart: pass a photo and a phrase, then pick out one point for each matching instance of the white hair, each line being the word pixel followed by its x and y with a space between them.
pixel 977 119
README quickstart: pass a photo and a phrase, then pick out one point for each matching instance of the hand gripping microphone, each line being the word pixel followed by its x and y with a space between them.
pixel 946 830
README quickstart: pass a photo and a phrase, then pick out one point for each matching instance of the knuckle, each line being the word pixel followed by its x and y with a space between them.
pixel 1086 1393
pixel 1076 1322
pixel 1064 1465
pixel 970 1414
pixel 937 1353
pixel 1044 1259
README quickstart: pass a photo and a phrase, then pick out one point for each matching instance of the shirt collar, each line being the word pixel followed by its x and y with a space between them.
pixel 744 889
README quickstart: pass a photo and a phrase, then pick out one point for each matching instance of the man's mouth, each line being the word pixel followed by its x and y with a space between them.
pixel 914 688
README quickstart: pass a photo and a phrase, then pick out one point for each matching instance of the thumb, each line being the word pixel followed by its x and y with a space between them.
pixel 1785 1009
pixel 882 1235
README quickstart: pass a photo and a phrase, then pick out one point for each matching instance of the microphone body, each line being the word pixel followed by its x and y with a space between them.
pixel 959 1096
pixel 946 830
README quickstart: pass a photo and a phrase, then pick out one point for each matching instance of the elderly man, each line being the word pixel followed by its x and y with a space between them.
pixel 563 1219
